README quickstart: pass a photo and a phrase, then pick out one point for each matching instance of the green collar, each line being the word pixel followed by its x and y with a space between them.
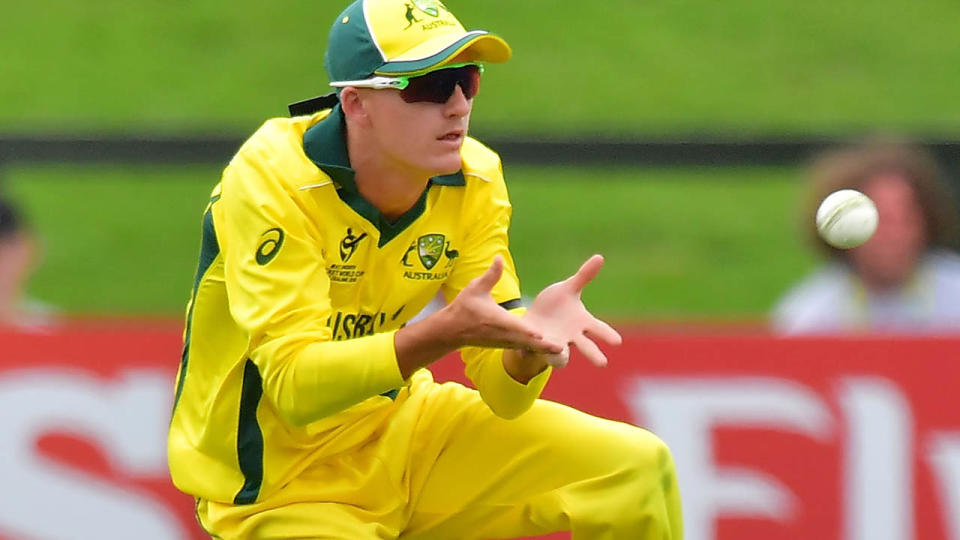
pixel 325 144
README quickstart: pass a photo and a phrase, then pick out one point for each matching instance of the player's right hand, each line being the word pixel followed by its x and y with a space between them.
pixel 559 310
pixel 476 319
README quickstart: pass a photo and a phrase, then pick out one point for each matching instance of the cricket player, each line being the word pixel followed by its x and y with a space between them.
pixel 303 406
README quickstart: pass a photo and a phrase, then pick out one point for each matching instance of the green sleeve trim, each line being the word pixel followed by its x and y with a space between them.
pixel 512 304
pixel 209 250
pixel 249 436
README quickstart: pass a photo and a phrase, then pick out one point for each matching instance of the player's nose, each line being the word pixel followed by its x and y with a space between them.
pixel 458 104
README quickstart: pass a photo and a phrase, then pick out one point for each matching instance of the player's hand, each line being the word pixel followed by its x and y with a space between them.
pixel 475 319
pixel 560 312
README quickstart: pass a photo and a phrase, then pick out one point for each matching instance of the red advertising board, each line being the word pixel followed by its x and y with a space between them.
pixel 845 439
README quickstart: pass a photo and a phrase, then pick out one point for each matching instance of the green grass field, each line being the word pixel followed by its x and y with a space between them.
pixel 679 243
pixel 616 67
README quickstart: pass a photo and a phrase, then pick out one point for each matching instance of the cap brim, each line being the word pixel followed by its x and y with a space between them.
pixel 475 46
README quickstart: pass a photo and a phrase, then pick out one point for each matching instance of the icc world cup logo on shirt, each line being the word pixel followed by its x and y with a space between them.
pixel 342 272
pixel 349 244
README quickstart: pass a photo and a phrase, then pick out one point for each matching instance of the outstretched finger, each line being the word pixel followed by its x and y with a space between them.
pixel 604 332
pixel 488 279
pixel 589 349
pixel 530 342
pixel 586 273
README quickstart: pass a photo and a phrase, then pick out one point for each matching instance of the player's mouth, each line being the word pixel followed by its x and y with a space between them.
pixel 453 138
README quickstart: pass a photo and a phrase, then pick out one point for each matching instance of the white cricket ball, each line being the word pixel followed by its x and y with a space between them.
pixel 847 218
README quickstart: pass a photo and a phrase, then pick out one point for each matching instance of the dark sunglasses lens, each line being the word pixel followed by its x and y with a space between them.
pixel 438 86
pixel 469 81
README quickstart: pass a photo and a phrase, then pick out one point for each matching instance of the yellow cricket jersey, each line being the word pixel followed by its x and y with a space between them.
pixel 289 342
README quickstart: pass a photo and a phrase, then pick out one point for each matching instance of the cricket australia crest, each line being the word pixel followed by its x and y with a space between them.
pixel 430 7
pixel 430 249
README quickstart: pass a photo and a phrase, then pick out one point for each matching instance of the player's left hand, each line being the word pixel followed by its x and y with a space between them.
pixel 560 312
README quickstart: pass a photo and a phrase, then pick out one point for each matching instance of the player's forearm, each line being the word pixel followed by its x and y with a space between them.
pixel 313 381
pixel 424 342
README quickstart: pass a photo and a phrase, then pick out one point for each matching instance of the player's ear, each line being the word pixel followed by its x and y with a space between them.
pixel 353 105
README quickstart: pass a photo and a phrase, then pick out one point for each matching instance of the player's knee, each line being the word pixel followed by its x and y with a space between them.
pixel 649 486
pixel 651 458
pixel 650 450
pixel 633 501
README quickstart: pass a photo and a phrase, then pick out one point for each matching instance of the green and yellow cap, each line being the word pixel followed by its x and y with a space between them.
pixel 404 38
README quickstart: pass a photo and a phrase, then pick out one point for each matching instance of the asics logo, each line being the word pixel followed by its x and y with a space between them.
pixel 270 246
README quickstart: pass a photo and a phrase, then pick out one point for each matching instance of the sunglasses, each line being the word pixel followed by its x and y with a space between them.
pixel 434 87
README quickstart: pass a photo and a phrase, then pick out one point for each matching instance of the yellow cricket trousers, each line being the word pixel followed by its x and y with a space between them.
pixel 446 468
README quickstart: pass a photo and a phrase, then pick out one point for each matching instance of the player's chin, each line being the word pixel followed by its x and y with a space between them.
pixel 446 161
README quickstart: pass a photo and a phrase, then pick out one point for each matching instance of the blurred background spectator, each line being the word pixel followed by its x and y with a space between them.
pixel 905 278
pixel 19 256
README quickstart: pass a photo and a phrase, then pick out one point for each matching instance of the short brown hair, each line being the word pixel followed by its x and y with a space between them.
pixel 10 220
pixel 850 167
